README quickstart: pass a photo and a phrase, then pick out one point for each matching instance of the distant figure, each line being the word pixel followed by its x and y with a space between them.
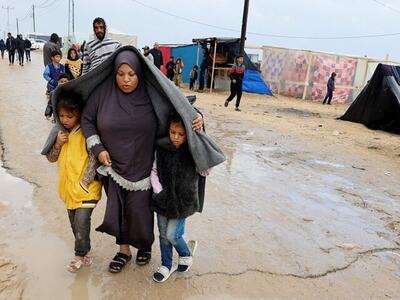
pixel 50 47
pixel 157 54
pixel 193 77
pixel 331 88
pixel 20 43
pixel 170 68
pixel 100 48
pixel 10 46
pixel 178 68
pixel 236 75
pixel 2 48
pixel 73 64
pixel 147 54
pixel 28 45
pixel 205 64
pixel 51 74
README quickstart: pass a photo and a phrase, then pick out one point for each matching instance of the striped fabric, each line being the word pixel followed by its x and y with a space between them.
pixel 96 52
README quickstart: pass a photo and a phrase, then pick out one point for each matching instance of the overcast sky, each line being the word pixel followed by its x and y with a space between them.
pixel 319 18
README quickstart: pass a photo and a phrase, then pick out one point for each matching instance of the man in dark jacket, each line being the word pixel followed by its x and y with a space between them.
pixel 28 46
pixel 49 47
pixel 2 48
pixel 20 43
pixel 11 46
pixel 331 88
pixel 205 64
pixel 157 55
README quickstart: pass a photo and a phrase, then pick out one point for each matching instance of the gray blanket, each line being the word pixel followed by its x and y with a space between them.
pixel 165 96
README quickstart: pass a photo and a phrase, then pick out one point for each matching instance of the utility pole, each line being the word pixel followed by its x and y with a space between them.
pixel 8 16
pixel 73 18
pixel 244 26
pixel 17 26
pixel 33 17
pixel 69 17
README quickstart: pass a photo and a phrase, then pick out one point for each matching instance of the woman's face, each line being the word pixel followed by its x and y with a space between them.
pixel 73 54
pixel 126 78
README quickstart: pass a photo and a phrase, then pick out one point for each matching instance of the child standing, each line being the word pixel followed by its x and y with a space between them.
pixel 76 172
pixel 193 77
pixel 52 70
pixel 170 68
pixel 73 64
pixel 236 75
pixel 177 195
pixel 178 68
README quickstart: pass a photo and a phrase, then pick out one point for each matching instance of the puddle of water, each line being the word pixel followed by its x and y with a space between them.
pixel 42 256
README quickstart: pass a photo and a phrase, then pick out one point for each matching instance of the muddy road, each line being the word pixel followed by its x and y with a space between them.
pixel 306 207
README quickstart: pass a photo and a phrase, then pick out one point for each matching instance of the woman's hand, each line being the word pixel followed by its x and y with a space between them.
pixel 104 158
pixel 197 123
pixel 62 138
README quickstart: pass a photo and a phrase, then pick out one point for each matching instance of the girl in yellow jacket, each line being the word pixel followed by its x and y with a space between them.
pixel 76 172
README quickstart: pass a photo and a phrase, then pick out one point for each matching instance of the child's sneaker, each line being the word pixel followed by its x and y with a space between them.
pixel 162 274
pixel 185 262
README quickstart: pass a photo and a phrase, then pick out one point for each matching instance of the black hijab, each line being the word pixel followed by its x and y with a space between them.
pixel 69 54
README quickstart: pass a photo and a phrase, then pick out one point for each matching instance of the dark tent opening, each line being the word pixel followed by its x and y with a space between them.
pixel 378 104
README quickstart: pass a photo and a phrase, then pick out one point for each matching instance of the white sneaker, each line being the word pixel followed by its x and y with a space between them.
pixel 162 274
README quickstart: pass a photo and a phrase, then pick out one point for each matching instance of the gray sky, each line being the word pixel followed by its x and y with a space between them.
pixel 320 18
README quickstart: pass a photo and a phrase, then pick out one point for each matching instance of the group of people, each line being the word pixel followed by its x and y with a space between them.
pixel 140 141
pixel 13 46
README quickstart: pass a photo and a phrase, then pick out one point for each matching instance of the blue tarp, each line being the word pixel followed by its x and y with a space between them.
pixel 253 83
pixel 189 56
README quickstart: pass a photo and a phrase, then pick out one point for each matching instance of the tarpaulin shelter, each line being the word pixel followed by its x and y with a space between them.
pixel 378 104
pixel 223 52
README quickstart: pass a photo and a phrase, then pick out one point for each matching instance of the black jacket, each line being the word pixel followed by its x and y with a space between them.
pixel 10 44
pixel 27 44
pixel 183 187
pixel 20 44
pixel 2 45
pixel 158 58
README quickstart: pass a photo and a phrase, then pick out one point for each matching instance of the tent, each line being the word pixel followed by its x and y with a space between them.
pixel 224 55
pixel 378 104
pixel 223 52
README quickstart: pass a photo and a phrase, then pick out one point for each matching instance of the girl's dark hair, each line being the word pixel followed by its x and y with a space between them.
pixel 175 118
pixel 69 54
pixel 63 75
pixel 71 102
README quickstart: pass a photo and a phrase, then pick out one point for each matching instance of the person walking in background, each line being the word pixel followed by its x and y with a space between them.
pixel 236 75
pixel 330 89
pixel 73 64
pixel 52 45
pixel 157 54
pixel 170 68
pixel 178 68
pixel 98 49
pixel 2 48
pixel 20 44
pixel 28 46
pixel 193 77
pixel 205 64
pixel 147 54
pixel 10 46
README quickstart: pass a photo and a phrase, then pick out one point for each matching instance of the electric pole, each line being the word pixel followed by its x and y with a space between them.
pixel 244 26
pixel 73 18
pixel 33 17
pixel 69 16
pixel 8 16
pixel 17 26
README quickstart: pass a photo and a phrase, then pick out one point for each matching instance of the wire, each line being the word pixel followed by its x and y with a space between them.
pixel 269 34
pixel 47 5
pixel 387 6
